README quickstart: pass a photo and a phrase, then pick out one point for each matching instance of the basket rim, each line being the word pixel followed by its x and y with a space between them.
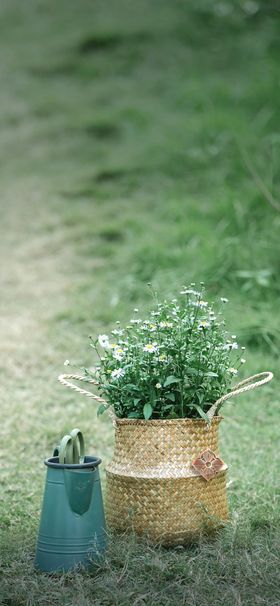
pixel 186 420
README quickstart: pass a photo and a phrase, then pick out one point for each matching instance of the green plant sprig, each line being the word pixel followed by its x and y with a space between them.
pixel 174 364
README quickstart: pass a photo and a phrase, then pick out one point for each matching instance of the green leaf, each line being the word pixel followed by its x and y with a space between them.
pixel 171 379
pixel 172 415
pixel 136 400
pixel 89 373
pixel 192 371
pixel 110 387
pixel 147 410
pixel 200 397
pixel 133 415
pixel 202 414
pixel 170 396
pixel 210 374
pixel 101 409
pixel 130 387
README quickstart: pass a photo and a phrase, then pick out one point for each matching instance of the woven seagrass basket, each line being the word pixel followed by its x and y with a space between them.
pixel 166 479
pixel 152 486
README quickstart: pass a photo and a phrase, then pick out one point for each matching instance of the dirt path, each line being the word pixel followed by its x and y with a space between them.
pixel 36 286
pixel 32 258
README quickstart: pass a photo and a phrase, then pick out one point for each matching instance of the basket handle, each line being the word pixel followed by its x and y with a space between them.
pixel 64 380
pixel 242 387
pixel 263 377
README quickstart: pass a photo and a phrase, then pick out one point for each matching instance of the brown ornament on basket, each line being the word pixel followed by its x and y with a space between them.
pixel 208 464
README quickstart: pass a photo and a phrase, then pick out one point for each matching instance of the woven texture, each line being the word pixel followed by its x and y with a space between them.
pixel 174 511
pixel 152 486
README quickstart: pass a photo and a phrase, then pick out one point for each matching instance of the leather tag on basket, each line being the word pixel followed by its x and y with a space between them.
pixel 208 464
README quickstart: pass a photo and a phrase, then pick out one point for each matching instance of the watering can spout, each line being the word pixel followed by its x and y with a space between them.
pixel 79 485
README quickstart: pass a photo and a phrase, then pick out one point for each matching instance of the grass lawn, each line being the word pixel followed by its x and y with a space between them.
pixel 139 144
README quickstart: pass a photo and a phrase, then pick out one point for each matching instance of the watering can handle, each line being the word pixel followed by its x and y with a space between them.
pixel 71 448
pixel 64 380
pixel 246 385
pixel 78 444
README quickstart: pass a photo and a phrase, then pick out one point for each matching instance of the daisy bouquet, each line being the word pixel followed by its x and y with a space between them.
pixel 174 363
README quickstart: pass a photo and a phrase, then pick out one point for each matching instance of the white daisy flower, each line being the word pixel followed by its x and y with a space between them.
pixel 135 321
pixel 118 373
pixel 200 304
pixel 136 309
pixel 232 371
pixel 118 353
pixel 112 345
pixel 242 360
pixel 203 324
pixel 188 291
pixel 224 300
pixel 151 347
pixel 117 332
pixel 66 363
pixel 166 324
pixel 230 346
pixel 103 340
pixel 158 385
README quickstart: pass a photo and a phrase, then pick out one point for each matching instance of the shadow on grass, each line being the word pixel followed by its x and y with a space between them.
pixel 100 42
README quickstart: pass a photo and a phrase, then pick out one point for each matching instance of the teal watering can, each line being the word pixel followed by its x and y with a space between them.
pixel 72 527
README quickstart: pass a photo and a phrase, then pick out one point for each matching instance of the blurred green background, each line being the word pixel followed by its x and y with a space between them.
pixel 139 143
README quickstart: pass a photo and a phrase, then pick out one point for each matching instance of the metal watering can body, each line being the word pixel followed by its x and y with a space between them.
pixel 72 527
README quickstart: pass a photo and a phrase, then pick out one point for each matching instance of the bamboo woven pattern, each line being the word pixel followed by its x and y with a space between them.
pixel 162 448
pixel 152 486
pixel 172 511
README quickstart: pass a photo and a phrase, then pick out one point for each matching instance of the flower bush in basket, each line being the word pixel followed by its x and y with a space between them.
pixel 163 379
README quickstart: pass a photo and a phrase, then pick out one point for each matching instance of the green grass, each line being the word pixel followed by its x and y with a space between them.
pixel 139 144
